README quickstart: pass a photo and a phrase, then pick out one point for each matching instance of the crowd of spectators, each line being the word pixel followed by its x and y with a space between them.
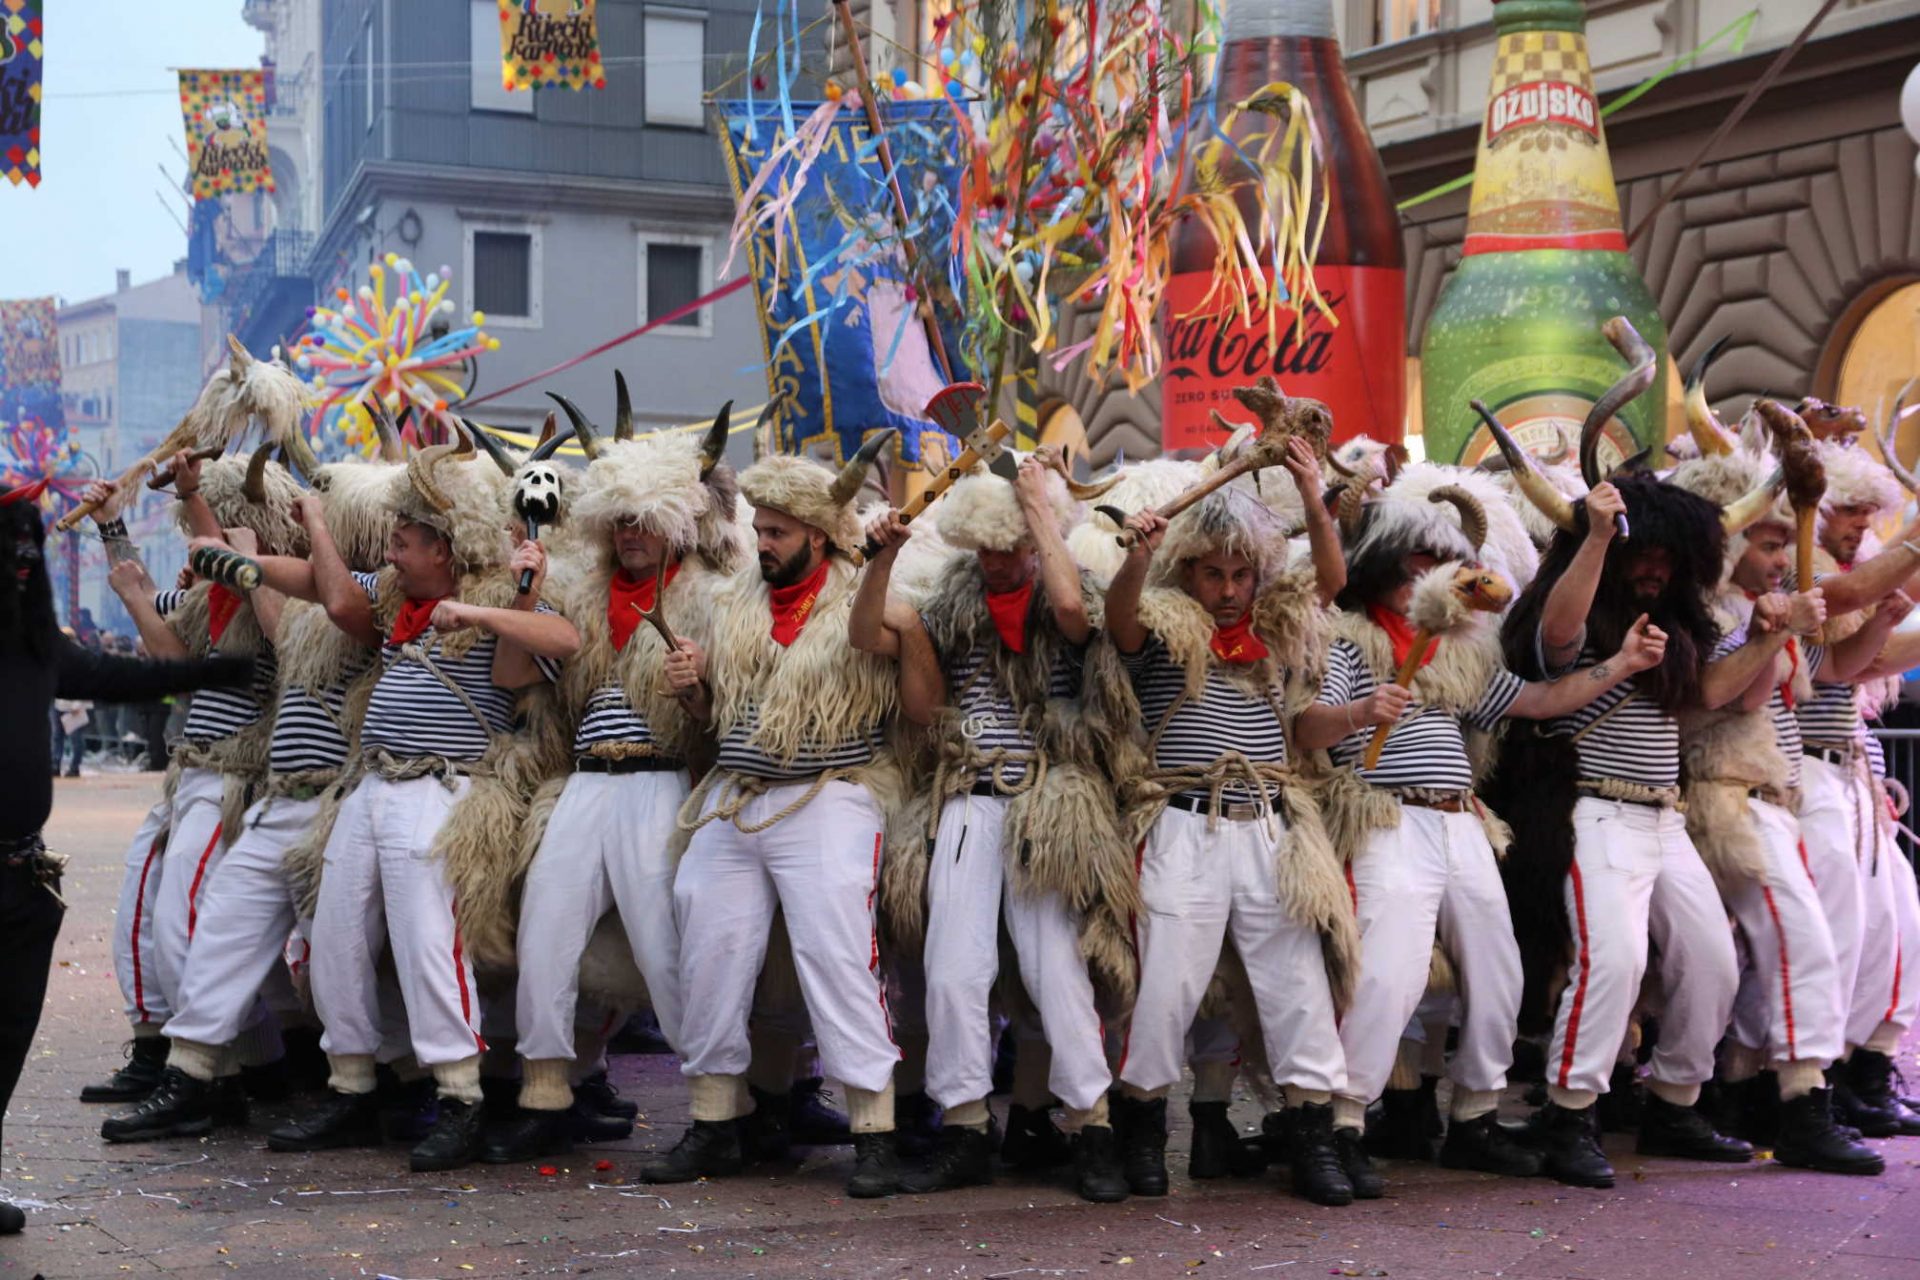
pixel 114 735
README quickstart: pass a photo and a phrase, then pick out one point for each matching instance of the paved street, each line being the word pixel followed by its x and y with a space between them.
pixel 227 1206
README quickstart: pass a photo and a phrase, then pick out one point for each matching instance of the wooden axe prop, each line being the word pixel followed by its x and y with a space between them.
pixel 164 477
pixel 1805 475
pixel 1266 449
pixel 956 408
pixel 1444 606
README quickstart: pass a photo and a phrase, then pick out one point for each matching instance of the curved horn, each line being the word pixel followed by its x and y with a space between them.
pixel 1709 433
pixel 854 473
pixel 1075 489
pixel 589 443
pixel 385 430
pixel 622 408
pixel 1644 362
pixel 238 358
pixel 1562 451
pixel 1539 490
pixel 1889 440
pixel 300 453
pixel 1473 516
pixel 1351 503
pixel 714 446
pixel 254 487
pixel 420 467
pixel 550 442
pixel 1394 457
pixel 491 446
pixel 1745 511
pixel 1340 468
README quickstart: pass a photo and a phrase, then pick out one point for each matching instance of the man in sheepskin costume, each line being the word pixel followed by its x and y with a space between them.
pixel 654 521
pixel 792 817
pixel 1021 815
pixel 1213 628
pixel 432 819
pixel 1417 655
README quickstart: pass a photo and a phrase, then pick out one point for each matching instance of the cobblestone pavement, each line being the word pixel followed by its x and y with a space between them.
pixel 227 1206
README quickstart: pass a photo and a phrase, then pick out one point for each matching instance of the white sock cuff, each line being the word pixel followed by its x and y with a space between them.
pixel 1213 1081
pixel 1571 1099
pixel 544 1085
pixel 1349 1113
pixel 459 1080
pixel 350 1072
pixel 717 1097
pixel 1471 1104
pixel 1799 1078
pixel 201 1061
pixel 1885 1039
pixel 871 1110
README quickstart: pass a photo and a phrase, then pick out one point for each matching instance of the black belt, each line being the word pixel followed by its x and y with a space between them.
pixel 1833 755
pixel 632 764
pixel 1231 810
pixel 988 789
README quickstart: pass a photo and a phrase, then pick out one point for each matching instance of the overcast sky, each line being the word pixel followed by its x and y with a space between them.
pixel 110 121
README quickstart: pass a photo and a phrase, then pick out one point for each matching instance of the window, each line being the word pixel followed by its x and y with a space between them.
pixel 489 94
pixel 503 273
pixel 676 76
pixel 674 271
pixel 1399 19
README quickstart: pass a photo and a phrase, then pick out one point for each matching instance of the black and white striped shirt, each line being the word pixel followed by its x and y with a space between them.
pixel 1638 743
pixel 740 754
pixel 413 714
pixel 1224 719
pixel 307 732
pixel 215 714
pixel 1831 717
pixel 1427 747
pixel 987 715
pixel 610 718
pixel 1786 725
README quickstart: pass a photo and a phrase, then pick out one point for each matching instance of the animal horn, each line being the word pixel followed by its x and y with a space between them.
pixel 1889 440
pixel 622 408
pixel 385 430
pixel 589 443
pixel 254 487
pixel 420 467
pixel 1745 511
pixel 238 358
pixel 550 441
pixel 1473 516
pixel 854 473
pixel 1539 490
pixel 1708 432
pixel 1350 505
pixel 714 446
pixel 491 446
pixel 1643 363
pixel 1078 491
pixel 1395 457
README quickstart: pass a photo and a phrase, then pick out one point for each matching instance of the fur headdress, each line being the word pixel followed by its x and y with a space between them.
pixel 813 493
pixel 655 482
pixel 1855 478
pixel 1143 484
pixel 257 494
pixel 463 495
pixel 1439 511
pixel 361 499
pixel 1229 520
pixel 1724 479
pixel 982 512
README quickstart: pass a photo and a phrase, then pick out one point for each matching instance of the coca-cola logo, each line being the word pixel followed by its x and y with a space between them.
pixel 1542 102
pixel 1218 345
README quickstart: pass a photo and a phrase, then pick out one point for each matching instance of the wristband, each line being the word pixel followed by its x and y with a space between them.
pixel 114 530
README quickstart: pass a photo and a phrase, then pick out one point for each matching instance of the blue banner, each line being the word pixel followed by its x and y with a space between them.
pixel 846 351
pixel 20 67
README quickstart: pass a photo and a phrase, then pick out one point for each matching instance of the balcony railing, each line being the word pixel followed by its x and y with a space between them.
pixel 283 257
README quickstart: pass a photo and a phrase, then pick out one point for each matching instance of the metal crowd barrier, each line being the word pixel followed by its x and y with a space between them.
pixel 1902 747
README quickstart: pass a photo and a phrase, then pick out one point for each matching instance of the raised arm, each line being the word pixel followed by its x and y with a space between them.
pixel 1563 619
pixel 131 582
pixel 105 677
pixel 201 522
pixel 525 633
pixel 1058 573
pixel 1886 572
pixel 1753 664
pixel 332 582
pixel 1123 593
pixel 1642 650
pixel 1323 539
pixel 867 628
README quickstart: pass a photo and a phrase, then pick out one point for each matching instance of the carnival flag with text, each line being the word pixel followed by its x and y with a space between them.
pixel 20 66
pixel 226 119
pixel 550 43
pixel 29 363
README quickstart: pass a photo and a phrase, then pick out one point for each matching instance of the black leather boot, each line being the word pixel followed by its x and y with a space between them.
pixel 1141 1125
pixel 916 1125
pixel 528 1135
pixel 590 1124
pixel 1274 1136
pixel 146 1059
pixel 1486 1145
pixel 1570 1147
pixel 13 1219
pixel 1809 1139
pixel 1351 1146
pixel 179 1107
pixel 1097 1175
pixel 1685 1133
pixel 338 1120
pixel 1032 1143
pixel 306 1062
pixel 876 1166
pixel 1217 1151
pixel 267 1082
pixel 455 1139
pixel 599 1093
pixel 1405 1126
pixel 764 1135
pixel 1319 1174
pixel 708 1149
pixel 1618 1110
pixel 229 1098
pixel 1863 1097
pixel 408 1108
pixel 812 1119
pixel 1753 1109
pixel 964 1159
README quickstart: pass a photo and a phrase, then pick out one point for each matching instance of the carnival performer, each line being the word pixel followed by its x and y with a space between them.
pixel 1021 814
pixel 792 817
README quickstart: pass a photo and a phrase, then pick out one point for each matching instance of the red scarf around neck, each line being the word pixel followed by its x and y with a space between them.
pixel 792 606
pixel 1400 633
pixel 222 604
pixel 413 619
pixel 1793 656
pixel 1009 610
pixel 627 598
pixel 1237 643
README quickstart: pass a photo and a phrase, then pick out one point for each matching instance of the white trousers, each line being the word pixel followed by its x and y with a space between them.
pixel 133 943
pixel 1433 873
pixel 1882 989
pixel 382 885
pixel 1198 886
pixel 821 866
pixel 246 916
pixel 1790 1000
pixel 605 846
pixel 1906 912
pixel 1636 876
pixel 195 845
pixel 1836 806
pixel 967 897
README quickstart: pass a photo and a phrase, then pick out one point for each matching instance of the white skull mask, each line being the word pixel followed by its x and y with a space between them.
pixel 536 492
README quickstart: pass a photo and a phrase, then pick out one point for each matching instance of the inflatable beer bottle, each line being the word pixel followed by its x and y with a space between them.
pixel 1545 264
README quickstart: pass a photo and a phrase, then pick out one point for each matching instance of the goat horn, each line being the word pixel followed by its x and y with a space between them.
pixel 1889 441
pixel 589 443
pixel 1078 491
pixel 1353 498
pixel 854 473
pixel 714 446
pixel 238 358
pixel 254 487
pixel 1644 362
pixel 491 446
pixel 1340 468
pixel 1709 433
pixel 1539 490
pixel 420 474
pixel 622 408
pixel 1745 511
pixel 300 453
pixel 1473 516
pixel 385 430
pixel 550 441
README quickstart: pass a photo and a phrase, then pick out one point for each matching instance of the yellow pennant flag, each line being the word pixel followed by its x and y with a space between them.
pixel 550 43
pixel 226 118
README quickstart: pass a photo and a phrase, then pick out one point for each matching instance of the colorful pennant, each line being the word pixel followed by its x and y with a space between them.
pixel 29 363
pixel 226 119
pixel 548 43
pixel 20 68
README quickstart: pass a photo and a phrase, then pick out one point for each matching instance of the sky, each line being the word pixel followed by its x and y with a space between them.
pixel 109 123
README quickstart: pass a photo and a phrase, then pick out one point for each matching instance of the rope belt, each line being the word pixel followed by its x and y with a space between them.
pixel 624 751
pixel 1631 793
pixel 1442 800
pixel 301 784
pixel 735 791
pixel 627 764
pixel 1175 787
pixel 384 764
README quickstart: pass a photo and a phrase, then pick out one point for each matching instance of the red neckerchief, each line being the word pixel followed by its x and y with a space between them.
pixel 413 618
pixel 25 493
pixel 1009 610
pixel 1400 633
pixel 627 598
pixel 792 606
pixel 1236 642
pixel 222 604
pixel 1793 658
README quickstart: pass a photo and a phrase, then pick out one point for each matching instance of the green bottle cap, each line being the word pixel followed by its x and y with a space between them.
pixel 1539 15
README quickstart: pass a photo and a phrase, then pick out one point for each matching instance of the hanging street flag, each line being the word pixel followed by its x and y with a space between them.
pixel 20 66
pixel 226 119
pixel 550 43
pixel 847 353
pixel 29 364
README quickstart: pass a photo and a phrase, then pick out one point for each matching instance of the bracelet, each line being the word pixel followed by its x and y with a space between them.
pixel 114 530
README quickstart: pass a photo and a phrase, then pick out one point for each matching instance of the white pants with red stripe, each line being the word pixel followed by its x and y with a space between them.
pixel 605 846
pixel 967 897
pixel 195 845
pixel 1790 1004
pixel 821 865
pixel 1198 886
pixel 1906 914
pixel 382 885
pixel 246 916
pixel 133 944
pixel 1434 872
pixel 1836 806
pixel 1880 983
pixel 1637 877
